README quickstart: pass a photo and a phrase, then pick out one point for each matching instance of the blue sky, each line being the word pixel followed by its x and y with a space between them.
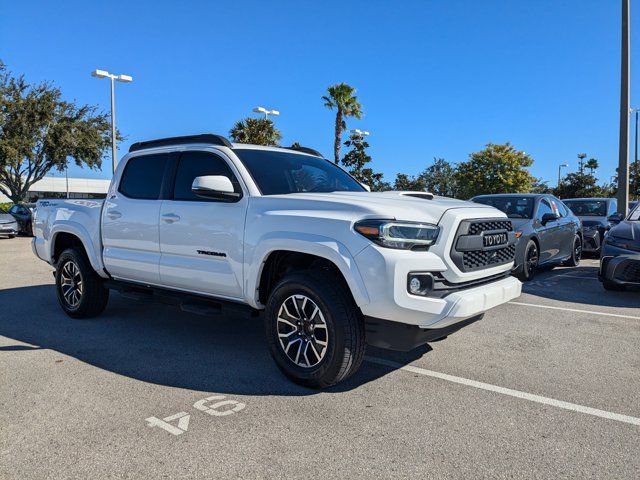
pixel 437 78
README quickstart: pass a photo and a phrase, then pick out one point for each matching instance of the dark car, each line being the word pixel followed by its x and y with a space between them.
pixel 548 233
pixel 620 259
pixel 24 216
pixel 597 216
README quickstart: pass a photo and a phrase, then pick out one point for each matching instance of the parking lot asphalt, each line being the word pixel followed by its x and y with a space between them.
pixel 547 386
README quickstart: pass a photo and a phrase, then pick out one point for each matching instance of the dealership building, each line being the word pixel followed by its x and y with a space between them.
pixel 56 187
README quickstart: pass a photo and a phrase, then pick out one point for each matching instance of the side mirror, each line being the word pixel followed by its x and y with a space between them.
pixel 615 218
pixel 548 217
pixel 218 187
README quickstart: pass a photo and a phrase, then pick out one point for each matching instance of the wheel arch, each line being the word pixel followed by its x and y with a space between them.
pixel 65 236
pixel 274 259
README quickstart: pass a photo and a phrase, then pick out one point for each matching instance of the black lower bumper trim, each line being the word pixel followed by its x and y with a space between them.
pixel 402 337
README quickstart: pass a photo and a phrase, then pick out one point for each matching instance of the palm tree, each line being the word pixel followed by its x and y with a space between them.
pixel 592 164
pixel 258 131
pixel 341 98
pixel 581 157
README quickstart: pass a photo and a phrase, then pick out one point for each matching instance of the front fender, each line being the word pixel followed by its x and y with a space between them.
pixel 312 244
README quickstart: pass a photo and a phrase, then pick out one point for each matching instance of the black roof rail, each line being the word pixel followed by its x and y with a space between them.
pixel 165 142
pixel 308 150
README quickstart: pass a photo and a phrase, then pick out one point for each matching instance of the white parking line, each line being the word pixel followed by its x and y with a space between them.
pixel 507 391
pixel 591 312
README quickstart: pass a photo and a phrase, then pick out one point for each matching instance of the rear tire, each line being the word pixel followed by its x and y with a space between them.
pixel 315 331
pixel 612 287
pixel 79 288
pixel 576 253
pixel 529 262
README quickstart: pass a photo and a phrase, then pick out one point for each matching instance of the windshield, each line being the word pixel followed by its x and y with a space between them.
pixel 587 208
pixel 278 173
pixel 514 207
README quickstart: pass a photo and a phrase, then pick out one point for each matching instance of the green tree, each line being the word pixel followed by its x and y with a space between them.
pixel 578 185
pixel 343 100
pixel 540 186
pixel 257 131
pixel 39 131
pixel 498 168
pixel 355 161
pixel 409 183
pixel 592 165
pixel 440 178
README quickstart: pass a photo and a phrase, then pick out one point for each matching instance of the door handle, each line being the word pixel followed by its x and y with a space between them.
pixel 113 214
pixel 170 217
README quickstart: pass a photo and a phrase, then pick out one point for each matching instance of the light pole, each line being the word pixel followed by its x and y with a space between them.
pixel 623 145
pixel 266 112
pixel 635 157
pixel 113 78
pixel 560 167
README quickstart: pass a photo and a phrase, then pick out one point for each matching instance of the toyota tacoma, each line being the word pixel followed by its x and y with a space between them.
pixel 211 225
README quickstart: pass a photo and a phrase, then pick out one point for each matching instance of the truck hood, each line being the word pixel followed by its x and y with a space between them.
pixel 399 205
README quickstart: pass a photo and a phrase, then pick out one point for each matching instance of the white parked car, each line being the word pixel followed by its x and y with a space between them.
pixel 211 225
pixel 8 224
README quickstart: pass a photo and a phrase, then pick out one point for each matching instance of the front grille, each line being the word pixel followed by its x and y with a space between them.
pixel 631 272
pixel 480 259
pixel 476 228
pixel 470 252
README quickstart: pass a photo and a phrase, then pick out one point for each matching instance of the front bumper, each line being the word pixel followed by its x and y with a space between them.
pixel 9 228
pixel 622 269
pixel 385 276
pixel 592 241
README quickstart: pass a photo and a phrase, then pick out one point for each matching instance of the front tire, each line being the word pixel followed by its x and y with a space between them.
pixel 576 253
pixel 80 290
pixel 314 329
pixel 530 261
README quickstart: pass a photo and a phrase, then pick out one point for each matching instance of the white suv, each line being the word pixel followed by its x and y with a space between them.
pixel 210 224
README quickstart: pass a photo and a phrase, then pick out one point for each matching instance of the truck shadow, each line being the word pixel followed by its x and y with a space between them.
pixel 160 344
pixel 579 285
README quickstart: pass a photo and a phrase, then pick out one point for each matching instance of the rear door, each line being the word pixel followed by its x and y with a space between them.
pixel 550 234
pixel 130 236
pixel 201 239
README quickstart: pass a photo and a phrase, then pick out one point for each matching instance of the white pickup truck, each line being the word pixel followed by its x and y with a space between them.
pixel 209 225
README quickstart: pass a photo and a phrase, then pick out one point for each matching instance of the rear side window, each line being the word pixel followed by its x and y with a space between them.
pixel 199 164
pixel 142 177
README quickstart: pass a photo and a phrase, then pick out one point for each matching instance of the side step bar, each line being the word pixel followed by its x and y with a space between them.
pixel 187 302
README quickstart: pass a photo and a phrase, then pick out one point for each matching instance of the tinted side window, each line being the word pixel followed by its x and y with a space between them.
pixel 613 207
pixel 543 207
pixel 198 164
pixel 142 177
pixel 13 209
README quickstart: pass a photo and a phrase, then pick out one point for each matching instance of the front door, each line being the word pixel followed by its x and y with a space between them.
pixel 201 239
pixel 130 237
pixel 549 234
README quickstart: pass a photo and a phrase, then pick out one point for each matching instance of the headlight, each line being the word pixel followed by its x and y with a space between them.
pixel 621 243
pixel 397 234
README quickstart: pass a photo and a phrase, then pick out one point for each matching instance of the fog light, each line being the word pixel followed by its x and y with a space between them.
pixel 420 283
pixel 414 285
